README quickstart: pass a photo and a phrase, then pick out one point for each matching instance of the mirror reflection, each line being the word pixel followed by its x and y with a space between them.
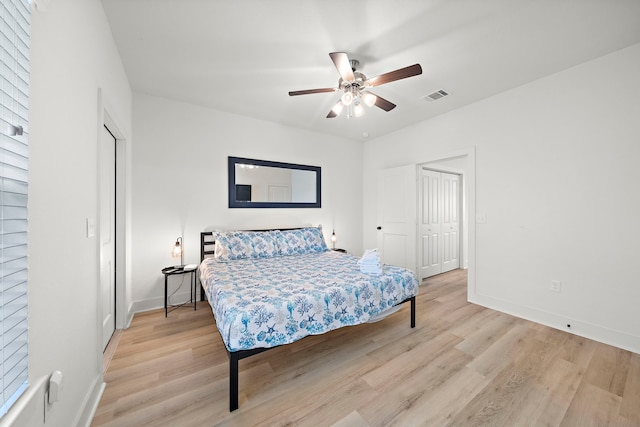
pixel 262 183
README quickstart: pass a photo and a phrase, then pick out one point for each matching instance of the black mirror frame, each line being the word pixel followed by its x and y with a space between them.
pixel 233 203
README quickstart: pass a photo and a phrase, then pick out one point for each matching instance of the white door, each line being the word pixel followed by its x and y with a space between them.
pixel 450 222
pixel 107 234
pixel 430 224
pixel 279 193
pixel 439 223
pixel 397 216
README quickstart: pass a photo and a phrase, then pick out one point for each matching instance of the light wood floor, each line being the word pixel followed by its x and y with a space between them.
pixel 463 365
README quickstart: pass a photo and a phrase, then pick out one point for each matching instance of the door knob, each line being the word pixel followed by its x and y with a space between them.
pixel 379 228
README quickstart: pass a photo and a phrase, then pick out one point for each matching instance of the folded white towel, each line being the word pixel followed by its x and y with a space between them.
pixel 370 262
pixel 370 255
pixel 371 270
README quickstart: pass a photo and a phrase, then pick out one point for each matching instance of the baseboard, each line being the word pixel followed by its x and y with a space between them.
pixel 129 318
pixel 141 306
pixel 91 402
pixel 584 329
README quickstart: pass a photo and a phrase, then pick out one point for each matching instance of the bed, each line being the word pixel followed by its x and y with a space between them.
pixel 274 287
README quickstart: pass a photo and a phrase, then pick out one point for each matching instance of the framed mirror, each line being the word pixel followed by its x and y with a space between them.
pixel 266 184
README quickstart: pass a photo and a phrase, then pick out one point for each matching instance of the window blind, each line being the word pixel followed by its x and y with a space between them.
pixel 14 157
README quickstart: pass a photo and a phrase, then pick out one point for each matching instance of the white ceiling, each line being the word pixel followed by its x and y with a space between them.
pixel 244 56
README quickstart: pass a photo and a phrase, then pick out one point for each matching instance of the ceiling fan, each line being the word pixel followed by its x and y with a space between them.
pixel 355 86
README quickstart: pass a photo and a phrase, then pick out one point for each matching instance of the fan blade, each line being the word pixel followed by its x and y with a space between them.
pixel 309 91
pixel 336 110
pixel 392 76
pixel 341 61
pixel 383 103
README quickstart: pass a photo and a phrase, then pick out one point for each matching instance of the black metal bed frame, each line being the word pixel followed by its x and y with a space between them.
pixel 236 356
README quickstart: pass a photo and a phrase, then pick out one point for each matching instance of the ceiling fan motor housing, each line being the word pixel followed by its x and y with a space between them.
pixel 357 84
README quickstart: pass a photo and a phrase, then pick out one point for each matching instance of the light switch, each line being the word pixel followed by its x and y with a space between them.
pixel 91 227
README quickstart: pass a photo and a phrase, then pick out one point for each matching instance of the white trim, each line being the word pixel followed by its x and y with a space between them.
pixel 442 168
pixel 91 402
pixel 141 306
pixel 30 403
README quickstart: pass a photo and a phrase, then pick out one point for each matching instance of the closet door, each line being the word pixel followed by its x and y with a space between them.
pixel 450 222
pixel 439 226
pixel 430 224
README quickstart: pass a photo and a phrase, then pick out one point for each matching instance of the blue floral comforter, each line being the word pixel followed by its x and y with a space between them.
pixel 266 302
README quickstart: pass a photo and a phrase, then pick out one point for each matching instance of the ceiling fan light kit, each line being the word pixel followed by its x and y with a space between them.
pixel 354 86
pixel 369 99
pixel 347 97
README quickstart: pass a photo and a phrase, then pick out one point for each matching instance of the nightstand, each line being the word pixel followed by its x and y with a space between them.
pixel 180 270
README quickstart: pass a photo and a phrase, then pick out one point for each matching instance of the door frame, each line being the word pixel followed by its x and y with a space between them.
pixel 468 211
pixel 107 168
pixel 108 118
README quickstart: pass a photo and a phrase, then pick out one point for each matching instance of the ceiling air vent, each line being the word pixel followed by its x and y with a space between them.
pixel 436 95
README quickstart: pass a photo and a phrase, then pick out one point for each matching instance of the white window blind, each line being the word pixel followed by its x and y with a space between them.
pixel 14 156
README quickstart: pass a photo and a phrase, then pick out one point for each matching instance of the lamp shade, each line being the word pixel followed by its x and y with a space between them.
pixel 347 98
pixel 358 109
pixel 177 251
pixel 369 99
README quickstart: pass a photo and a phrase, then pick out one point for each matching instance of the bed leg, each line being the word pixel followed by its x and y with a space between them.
pixel 413 312
pixel 233 381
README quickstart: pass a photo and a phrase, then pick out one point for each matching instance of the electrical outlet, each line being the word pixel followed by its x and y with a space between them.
pixel 556 286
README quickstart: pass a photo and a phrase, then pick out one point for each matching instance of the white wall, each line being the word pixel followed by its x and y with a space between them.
pixel 180 183
pixel 72 56
pixel 557 178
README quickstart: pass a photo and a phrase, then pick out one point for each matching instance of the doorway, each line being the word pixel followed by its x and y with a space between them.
pixel 107 234
pixel 398 194
pixel 110 225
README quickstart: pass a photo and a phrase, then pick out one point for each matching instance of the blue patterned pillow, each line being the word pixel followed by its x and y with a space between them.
pixel 264 243
pixel 301 241
pixel 229 245
pixel 221 251
pixel 232 245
